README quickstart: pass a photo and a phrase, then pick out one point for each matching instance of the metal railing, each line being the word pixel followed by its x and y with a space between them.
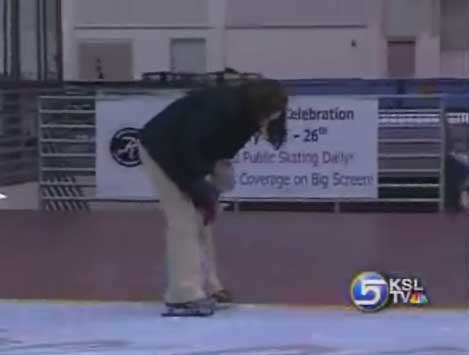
pixel 412 155
pixel 18 129
pixel 18 132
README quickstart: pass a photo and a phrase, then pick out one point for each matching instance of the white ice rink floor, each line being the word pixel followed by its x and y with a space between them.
pixel 43 328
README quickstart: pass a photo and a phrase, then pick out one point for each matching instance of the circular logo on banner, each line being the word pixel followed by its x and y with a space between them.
pixel 369 291
pixel 124 147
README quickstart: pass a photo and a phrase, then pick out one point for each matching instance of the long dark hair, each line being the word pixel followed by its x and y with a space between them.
pixel 277 131
pixel 265 97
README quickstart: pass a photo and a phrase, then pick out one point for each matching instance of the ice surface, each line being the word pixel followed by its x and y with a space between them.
pixel 42 328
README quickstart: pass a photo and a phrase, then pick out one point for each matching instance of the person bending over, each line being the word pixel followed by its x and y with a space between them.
pixel 186 150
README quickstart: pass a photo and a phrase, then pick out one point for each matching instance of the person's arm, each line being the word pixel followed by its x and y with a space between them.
pixel 192 136
pixel 195 165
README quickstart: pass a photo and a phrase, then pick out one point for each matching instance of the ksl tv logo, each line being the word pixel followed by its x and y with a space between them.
pixel 371 291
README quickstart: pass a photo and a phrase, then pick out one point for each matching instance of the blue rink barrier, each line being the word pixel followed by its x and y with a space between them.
pixel 411 167
pixel 67 111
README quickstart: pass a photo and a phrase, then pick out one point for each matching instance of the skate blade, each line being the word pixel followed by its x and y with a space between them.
pixel 187 313
pixel 224 306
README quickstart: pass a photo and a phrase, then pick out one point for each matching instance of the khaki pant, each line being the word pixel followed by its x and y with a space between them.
pixel 189 243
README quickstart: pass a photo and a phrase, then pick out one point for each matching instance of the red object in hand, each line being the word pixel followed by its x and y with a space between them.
pixel 205 197
pixel 209 214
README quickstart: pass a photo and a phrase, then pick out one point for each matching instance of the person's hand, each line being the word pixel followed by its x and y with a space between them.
pixel 209 214
pixel 223 176
pixel 205 197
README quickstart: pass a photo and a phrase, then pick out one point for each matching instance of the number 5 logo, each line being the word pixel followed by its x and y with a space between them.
pixel 373 286
pixel 369 291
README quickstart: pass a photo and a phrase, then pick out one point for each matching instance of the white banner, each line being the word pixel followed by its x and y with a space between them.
pixel 331 152
pixel 119 173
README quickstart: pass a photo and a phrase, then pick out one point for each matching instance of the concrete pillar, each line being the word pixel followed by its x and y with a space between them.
pixel 217 42
pixel 68 40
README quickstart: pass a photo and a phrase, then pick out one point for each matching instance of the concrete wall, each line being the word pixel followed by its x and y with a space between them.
pixel 298 12
pixel 294 39
pixel 149 26
pixel 154 43
pixel 455 63
pixel 406 18
pixel 305 39
pixel 454 39
pixel 305 53
pixel 143 12
pixel 454 24
pixel 416 20
pixel 427 56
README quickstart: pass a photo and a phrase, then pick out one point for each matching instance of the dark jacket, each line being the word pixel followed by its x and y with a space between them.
pixel 192 133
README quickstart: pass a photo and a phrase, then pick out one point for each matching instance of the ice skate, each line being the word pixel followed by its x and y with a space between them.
pixel 223 299
pixel 200 308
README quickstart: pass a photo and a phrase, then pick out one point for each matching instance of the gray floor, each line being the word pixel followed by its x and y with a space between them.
pixel 135 329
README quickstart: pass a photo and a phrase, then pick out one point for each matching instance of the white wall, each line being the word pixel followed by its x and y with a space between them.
pixel 455 24
pixel 69 55
pixel 305 38
pixel 28 40
pixel 419 20
pixel 282 39
pixel 298 12
pixel 410 17
pixel 316 51
pixel 304 53
pixel 151 48
pixel 455 64
pixel 454 39
pixel 427 56
pixel 146 12
pixel 149 30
